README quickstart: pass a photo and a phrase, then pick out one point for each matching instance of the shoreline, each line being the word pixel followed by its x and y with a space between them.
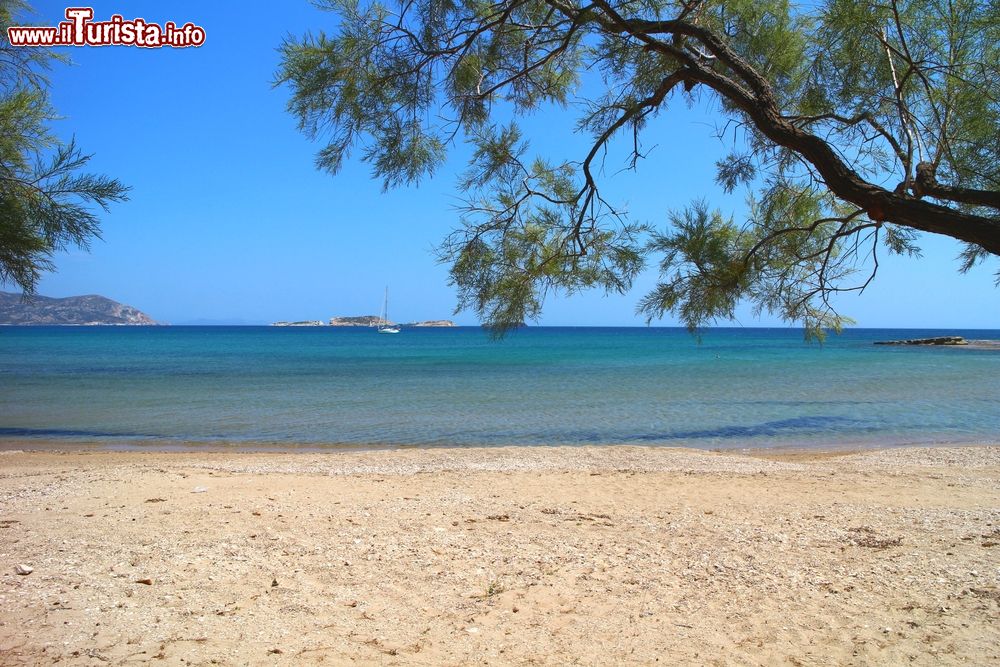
pixel 541 555
pixel 182 446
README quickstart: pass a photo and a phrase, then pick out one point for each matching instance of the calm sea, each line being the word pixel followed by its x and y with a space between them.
pixel 280 387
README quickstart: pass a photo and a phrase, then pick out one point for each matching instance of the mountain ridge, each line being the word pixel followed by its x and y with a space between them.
pixel 71 310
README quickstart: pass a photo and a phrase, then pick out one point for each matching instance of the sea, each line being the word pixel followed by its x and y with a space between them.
pixel 310 388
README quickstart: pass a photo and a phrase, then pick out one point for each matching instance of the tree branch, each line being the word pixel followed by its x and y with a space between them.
pixel 761 107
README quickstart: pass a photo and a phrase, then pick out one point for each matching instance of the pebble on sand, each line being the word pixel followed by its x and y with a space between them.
pixel 23 569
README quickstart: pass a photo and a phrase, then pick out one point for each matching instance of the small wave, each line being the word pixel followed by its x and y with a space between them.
pixel 795 425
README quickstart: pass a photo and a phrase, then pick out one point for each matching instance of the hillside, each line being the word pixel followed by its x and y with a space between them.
pixel 89 309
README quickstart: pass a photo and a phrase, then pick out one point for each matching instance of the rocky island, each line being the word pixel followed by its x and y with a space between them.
pixel 300 323
pixel 947 341
pixel 432 323
pixel 90 309
pixel 358 321
pixel 373 320
pixel 940 340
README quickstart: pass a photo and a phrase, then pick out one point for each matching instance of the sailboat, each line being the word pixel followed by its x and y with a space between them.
pixel 384 327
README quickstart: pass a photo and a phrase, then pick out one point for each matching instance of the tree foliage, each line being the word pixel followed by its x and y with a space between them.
pixel 858 124
pixel 45 196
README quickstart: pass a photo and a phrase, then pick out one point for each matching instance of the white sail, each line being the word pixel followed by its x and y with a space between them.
pixel 383 326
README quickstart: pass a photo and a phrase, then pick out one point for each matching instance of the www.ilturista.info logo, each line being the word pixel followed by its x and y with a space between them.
pixel 80 30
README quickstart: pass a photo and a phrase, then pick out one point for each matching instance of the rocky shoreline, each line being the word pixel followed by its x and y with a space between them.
pixel 945 341
pixel 940 340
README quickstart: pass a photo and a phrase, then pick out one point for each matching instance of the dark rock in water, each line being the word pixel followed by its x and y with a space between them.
pixel 941 340
pixel 90 309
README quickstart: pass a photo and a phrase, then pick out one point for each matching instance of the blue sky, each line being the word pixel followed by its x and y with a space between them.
pixel 229 222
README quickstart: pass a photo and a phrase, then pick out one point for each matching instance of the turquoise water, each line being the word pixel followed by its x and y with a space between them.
pixel 264 386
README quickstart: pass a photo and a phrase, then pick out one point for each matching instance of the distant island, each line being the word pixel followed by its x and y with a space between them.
pixel 357 321
pixel 431 323
pixel 90 309
pixel 362 321
pixel 372 320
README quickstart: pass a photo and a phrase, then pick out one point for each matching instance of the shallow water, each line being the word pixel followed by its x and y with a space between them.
pixel 260 386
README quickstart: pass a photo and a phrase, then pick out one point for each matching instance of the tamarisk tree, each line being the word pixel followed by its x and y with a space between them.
pixel 860 124
pixel 46 198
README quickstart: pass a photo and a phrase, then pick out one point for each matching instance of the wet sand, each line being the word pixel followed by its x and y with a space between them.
pixel 590 555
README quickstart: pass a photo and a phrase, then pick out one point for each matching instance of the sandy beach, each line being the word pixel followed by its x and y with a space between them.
pixel 590 555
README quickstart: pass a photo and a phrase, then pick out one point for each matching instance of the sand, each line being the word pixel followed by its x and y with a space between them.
pixel 593 555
